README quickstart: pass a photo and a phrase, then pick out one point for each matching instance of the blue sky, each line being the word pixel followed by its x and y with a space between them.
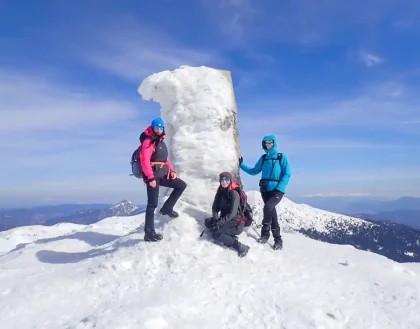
pixel 336 81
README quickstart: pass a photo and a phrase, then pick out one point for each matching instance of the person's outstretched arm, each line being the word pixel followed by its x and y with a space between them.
pixel 252 171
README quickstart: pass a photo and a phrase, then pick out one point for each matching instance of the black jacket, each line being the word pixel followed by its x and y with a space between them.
pixel 226 202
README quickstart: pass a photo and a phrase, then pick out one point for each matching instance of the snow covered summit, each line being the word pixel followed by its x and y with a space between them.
pixel 100 276
pixel 122 208
pixel 105 276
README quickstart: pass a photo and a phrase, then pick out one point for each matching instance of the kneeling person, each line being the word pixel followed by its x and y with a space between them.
pixel 231 222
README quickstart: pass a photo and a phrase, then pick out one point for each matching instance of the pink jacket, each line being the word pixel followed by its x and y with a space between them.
pixel 146 154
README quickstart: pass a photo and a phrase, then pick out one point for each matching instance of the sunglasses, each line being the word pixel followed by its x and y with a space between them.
pixel 158 128
pixel 269 143
pixel 225 180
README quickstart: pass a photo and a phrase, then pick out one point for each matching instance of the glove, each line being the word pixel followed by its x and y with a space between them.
pixel 241 159
pixel 220 223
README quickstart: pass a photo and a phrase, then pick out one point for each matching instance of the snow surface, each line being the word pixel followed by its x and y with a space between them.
pixel 98 277
pixel 197 106
pixel 103 276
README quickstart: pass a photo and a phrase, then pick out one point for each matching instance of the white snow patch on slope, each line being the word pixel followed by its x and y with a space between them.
pixel 296 216
pixel 10 239
pixel 187 282
pixel 197 105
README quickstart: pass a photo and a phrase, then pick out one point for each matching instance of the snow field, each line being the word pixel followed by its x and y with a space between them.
pixel 187 282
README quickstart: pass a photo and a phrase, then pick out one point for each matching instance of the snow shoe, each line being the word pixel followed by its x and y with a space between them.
pixel 152 237
pixel 278 244
pixel 172 214
pixel 241 248
pixel 263 239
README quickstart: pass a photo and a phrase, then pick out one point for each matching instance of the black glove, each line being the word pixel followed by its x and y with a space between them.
pixel 221 223
pixel 241 159
pixel 210 222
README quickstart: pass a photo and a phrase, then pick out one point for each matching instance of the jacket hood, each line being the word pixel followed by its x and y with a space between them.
pixel 274 149
pixel 233 185
pixel 149 132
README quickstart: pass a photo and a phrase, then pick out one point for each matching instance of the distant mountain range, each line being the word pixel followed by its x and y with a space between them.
pixel 405 210
pixel 405 217
pixel 354 205
pixel 395 241
pixel 66 213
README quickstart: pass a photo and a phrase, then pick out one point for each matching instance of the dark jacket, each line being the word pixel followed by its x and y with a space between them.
pixel 227 202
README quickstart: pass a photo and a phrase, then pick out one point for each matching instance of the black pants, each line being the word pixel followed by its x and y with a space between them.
pixel 178 186
pixel 228 232
pixel 271 200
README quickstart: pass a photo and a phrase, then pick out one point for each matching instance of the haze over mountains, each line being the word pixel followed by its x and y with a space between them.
pixel 66 213
pixel 404 210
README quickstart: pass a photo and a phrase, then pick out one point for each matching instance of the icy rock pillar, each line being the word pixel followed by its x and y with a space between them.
pixel 199 109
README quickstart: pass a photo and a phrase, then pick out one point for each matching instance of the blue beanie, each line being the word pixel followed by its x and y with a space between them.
pixel 158 122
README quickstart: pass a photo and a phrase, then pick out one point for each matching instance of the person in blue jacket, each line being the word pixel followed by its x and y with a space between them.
pixel 274 179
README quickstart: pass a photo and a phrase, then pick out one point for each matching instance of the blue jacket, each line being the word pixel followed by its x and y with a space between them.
pixel 280 172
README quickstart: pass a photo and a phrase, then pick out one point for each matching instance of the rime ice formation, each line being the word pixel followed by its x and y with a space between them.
pixel 199 109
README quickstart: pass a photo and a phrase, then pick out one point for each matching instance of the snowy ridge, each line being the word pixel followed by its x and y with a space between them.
pixel 295 216
pixel 122 208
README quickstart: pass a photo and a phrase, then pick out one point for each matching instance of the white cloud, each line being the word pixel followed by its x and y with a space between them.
pixel 77 189
pixel 377 107
pixel 132 51
pixel 232 17
pixel 49 133
pixel 307 22
pixel 35 103
pixel 370 59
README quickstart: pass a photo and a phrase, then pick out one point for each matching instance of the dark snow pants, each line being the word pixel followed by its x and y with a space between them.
pixel 228 232
pixel 271 200
pixel 178 186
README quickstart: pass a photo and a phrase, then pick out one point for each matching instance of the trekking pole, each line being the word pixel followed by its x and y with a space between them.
pixel 203 232
pixel 255 229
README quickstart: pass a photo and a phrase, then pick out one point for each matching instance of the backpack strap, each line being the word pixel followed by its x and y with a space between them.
pixel 279 156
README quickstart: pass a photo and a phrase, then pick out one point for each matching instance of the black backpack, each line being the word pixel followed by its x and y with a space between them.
pixel 136 169
pixel 245 207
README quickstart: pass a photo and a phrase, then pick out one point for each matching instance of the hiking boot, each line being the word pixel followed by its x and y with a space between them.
pixel 278 244
pixel 152 237
pixel 172 214
pixel 241 248
pixel 263 239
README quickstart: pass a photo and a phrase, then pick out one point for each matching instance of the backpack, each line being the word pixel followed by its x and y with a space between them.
pixel 135 163
pixel 246 209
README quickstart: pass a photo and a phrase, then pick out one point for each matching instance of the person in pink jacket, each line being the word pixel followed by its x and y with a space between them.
pixel 158 171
